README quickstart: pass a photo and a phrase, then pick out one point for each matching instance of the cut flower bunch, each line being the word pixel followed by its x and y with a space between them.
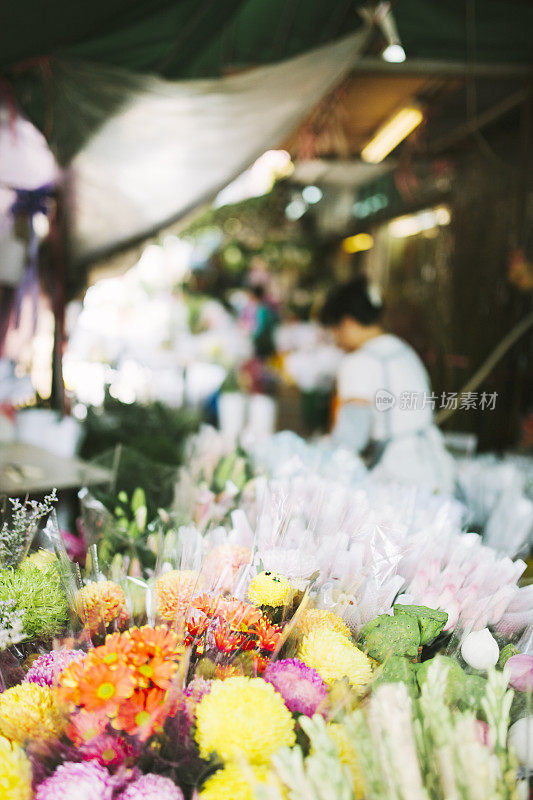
pixel 318 640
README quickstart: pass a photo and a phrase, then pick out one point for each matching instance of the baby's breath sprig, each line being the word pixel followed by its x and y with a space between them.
pixel 17 532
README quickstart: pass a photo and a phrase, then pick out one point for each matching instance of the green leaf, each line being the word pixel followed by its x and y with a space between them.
pixel 430 621
pixel 475 689
pixel 223 472
pixel 398 669
pixel 456 679
pixel 388 636
pixel 506 653
pixel 138 499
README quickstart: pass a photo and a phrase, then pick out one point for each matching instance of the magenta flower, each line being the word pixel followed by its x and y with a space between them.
pixel 521 668
pixel 152 787
pixel 47 668
pixel 85 780
pixel 301 687
pixel 108 750
pixel 76 545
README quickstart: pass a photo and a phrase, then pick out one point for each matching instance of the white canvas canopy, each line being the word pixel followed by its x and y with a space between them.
pixel 176 144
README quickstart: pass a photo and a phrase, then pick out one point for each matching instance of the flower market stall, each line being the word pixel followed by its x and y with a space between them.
pixel 272 632
pixel 239 241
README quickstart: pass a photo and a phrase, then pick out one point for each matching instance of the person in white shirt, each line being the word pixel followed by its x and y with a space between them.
pixel 384 397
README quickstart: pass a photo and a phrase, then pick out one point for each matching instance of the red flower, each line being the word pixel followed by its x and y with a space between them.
pixel 196 627
pixel 268 636
pixel 226 640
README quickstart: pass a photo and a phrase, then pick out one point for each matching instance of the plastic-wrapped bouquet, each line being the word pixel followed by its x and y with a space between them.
pixel 326 638
pixel 210 484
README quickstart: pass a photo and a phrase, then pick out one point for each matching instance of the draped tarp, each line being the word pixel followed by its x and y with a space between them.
pixel 175 144
pixel 199 38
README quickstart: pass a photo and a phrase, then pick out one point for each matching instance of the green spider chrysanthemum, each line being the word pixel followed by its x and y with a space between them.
pixel 39 595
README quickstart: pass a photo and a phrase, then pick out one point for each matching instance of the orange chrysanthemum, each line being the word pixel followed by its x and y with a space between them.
pixel 260 663
pixel 98 604
pixel 127 680
pixel 95 686
pixel 241 615
pixel 175 591
pixel 116 647
pixel 158 642
pixel 237 613
pixel 208 604
pixel 145 712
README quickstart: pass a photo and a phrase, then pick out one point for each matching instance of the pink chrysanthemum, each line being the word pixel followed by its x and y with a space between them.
pixel 152 787
pixel 108 750
pixel 85 780
pixel 47 668
pixel 301 687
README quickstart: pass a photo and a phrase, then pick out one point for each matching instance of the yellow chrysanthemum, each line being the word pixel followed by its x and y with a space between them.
pixel 42 558
pixel 243 718
pixel 319 618
pixel 175 590
pixel 15 772
pixel 29 711
pixel 335 657
pixel 99 603
pixel 270 589
pixel 348 756
pixel 234 782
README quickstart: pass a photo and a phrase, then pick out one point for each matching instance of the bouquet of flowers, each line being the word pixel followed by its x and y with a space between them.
pixel 319 638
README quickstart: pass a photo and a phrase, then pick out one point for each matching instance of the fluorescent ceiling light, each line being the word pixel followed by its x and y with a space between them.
pixel 411 224
pixel 357 243
pixel 394 131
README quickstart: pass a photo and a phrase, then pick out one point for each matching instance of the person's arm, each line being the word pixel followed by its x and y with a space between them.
pixel 353 426
pixel 357 384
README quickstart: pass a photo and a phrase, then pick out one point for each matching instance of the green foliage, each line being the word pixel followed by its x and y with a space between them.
pixel 455 677
pixel 398 669
pixel 403 634
pixel 506 653
pixel 127 532
pixel 131 473
pixel 154 430
pixel 430 621
pixel 39 595
pixel 388 636
pixel 474 691
pixel 233 468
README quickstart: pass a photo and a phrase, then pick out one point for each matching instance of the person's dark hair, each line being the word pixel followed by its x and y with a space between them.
pixel 354 300
pixel 258 291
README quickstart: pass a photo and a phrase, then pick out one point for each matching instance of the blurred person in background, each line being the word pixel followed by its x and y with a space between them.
pixel 266 320
pixel 384 398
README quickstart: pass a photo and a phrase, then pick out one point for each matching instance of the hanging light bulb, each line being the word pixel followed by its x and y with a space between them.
pixel 381 15
pixel 394 53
